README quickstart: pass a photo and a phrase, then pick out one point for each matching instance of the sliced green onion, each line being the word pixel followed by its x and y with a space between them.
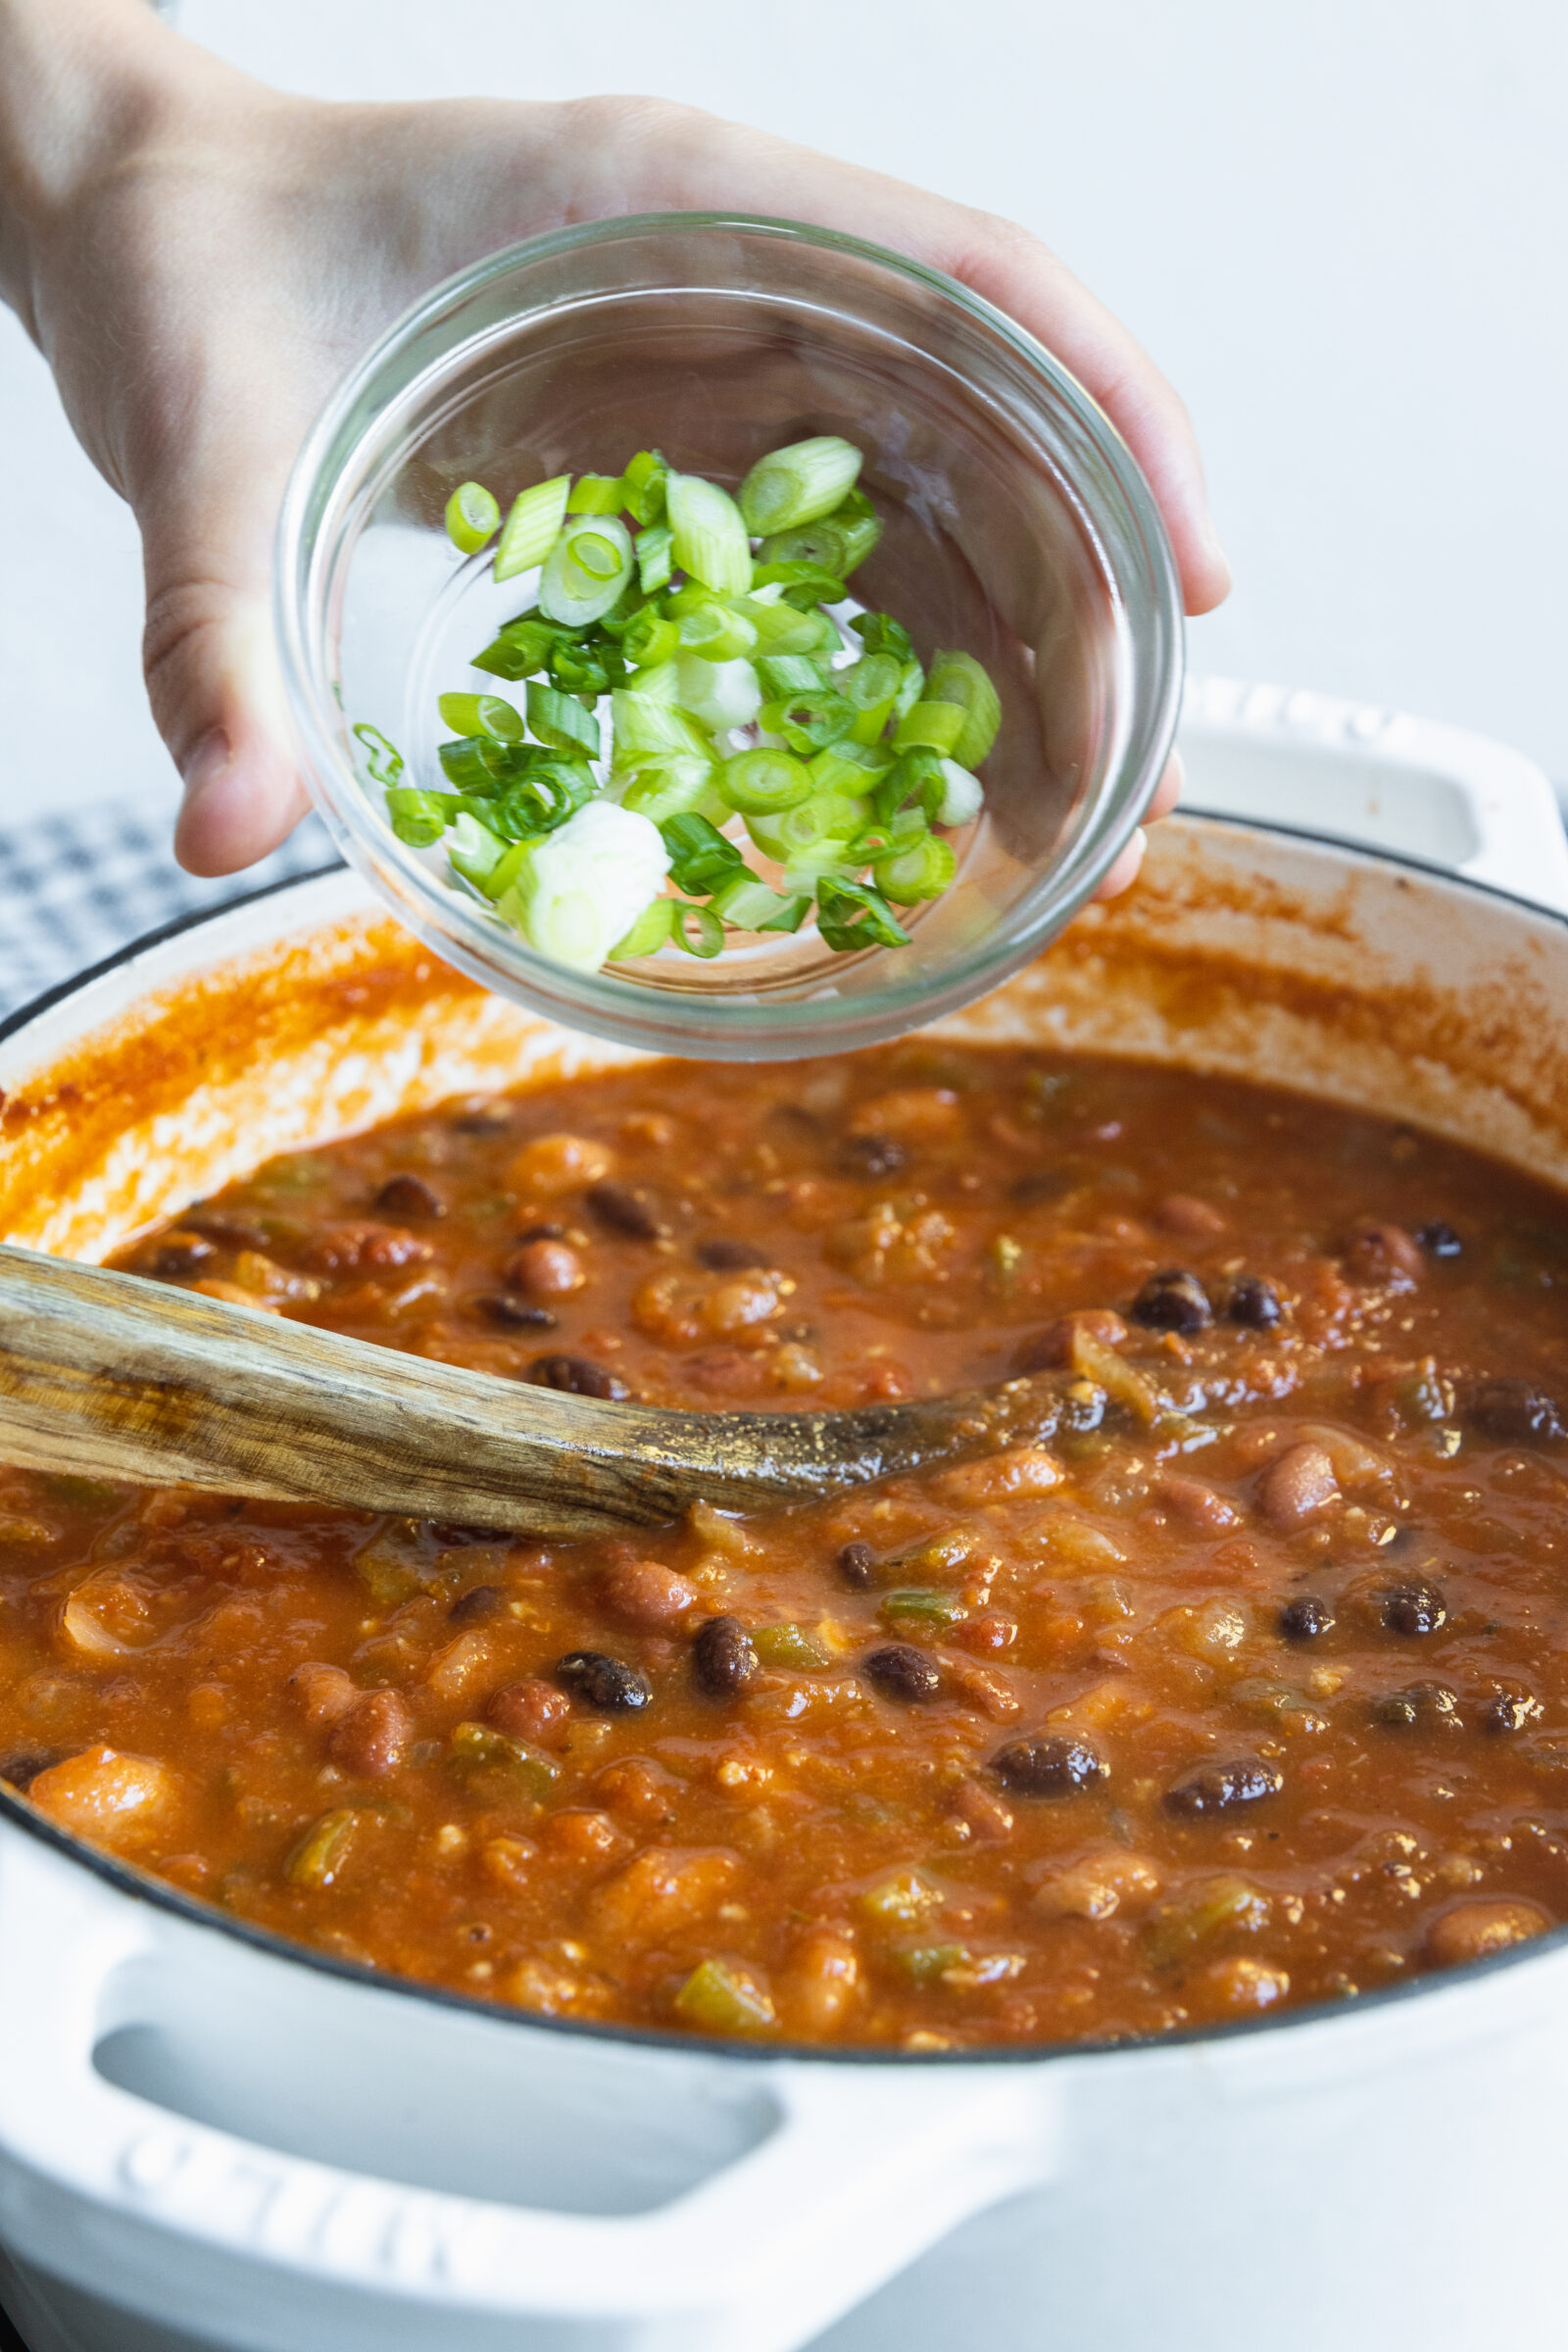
pixel 750 906
pixel 721 694
pixel 474 851
pixel 659 682
pixel 479 763
pixel 561 720
pixel 586 569
pixel 792 673
pixel 914 785
pixel 655 559
pixel 472 516
pixel 645 723
pixel 381 755
pixel 701 860
pixel 780 629
pixel 545 798
pixel 716 631
pixel 710 536
pixel 921 873
pixel 929 726
pixel 796 485
pixel 583 887
pixel 696 929
pixel 596 494
pixel 834 771
pixel 648 934
pixel 503 873
pixel 810 721
pixel 814 832
pixel 617 621
pixel 852 915
pixel 870 688
pixel 959 678
pixel 481 715
pixel 762 782
pixel 962 795
pixel 643 486
pixel 670 784
pixel 801 583
pixel 861 527
pixel 585 670
pixel 651 639
pixel 532 527
pixel 910 691
pixel 880 633
pixel 521 649
pixel 419 817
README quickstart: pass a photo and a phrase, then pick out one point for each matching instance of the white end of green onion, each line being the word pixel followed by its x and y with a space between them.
pixel 961 795
pixel 585 886
pixel 721 694
pixel 798 484
pixel 586 569
pixel 710 542
pixel 532 527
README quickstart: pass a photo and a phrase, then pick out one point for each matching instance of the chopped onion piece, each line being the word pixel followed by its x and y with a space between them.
pixel 532 527
pixel 584 887
pixel 710 536
pixel 798 484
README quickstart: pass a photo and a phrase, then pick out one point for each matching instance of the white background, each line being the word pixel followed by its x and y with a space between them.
pixel 1339 226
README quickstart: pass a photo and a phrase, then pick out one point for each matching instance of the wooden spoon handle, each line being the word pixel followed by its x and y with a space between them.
pixel 111 1375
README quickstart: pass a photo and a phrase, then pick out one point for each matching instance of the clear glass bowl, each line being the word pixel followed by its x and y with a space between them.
pixel 1017 526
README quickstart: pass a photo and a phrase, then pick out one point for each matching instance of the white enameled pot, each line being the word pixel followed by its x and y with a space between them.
pixel 207 2139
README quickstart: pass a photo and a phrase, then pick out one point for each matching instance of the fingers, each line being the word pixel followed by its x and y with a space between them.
pixel 672 157
pixel 1126 868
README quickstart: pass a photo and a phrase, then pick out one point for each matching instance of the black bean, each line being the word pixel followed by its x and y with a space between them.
pixel 857 1566
pixel 1419 1703
pixel 1510 1712
pixel 1222 1788
pixel 484 1118
pixel 1049 1767
pixel 626 1209
pixel 1516 1411
pixel 235 1232
pixel 172 1259
pixel 477 1605
pixel 723 1657
pixel 1254 1303
pixel 1439 1240
pixel 607 1685
pixel 546 1231
pixel 20 1769
pixel 721 1255
pixel 1305 1618
pixel 905 1674
pixel 871 1156
pixel 1412 1608
pixel 578 1375
pixel 1045 1184
pixel 1173 1300
pixel 515 1314
pixel 409 1197
pixel 455 1531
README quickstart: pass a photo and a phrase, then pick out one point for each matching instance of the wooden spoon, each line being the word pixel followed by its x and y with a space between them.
pixel 113 1376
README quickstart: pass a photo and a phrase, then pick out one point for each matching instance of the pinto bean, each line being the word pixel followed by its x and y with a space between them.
pixel 1379 1252
pixel 1050 1350
pixel 353 1248
pixel 1223 1787
pixel 22 1767
pixel 984 1689
pixel 1297 1486
pixel 629 1209
pixel 553 1164
pixel 513 1314
pixel 578 1375
pixel 324 1693
pixel 646 1592
pixel 911 1114
pixel 409 1197
pixel 1471 1929
pixel 1097 1887
pixel 821 1983
pixel 723 1657
pixel 1193 1219
pixel 1191 1499
pixel 124 1802
pixel 370 1739
pixel 533 1711
pixel 1174 1300
pixel 545 1269
pixel 1049 1766
pixel 985 1810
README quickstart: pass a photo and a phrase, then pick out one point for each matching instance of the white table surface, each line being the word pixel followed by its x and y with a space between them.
pixel 1340 228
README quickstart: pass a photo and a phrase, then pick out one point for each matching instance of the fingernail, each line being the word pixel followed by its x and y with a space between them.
pixel 1218 556
pixel 208 761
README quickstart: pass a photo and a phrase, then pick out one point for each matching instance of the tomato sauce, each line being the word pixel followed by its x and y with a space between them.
pixel 1247 1685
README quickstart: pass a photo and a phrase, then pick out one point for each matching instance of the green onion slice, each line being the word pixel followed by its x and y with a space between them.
pixel 560 720
pixel 929 726
pixel 648 934
pixel 852 915
pixel 532 527
pixel 709 537
pixel 798 485
pixel 962 795
pixel 586 569
pixel 472 516
pixel 959 678
pixel 762 782
pixel 701 860
pixel 748 905
pixel 481 715
pixel 810 721
pixel 474 851
pixel 383 757
pixel 696 929
pixel 651 639
pixel 520 650
pixel 596 494
pixel 922 871
pixel 880 633
pixel 721 694
pixel 655 559
pixel 419 817
pixel 643 486
pixel 669 784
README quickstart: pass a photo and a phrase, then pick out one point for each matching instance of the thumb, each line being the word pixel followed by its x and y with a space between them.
pixel 209 658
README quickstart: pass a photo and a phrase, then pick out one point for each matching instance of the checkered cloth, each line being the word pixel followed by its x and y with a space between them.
pixel 74 888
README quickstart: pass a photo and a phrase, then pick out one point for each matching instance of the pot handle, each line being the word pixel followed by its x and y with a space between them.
pixel 866 2167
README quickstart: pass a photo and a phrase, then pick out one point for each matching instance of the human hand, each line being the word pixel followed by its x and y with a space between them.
pixel 200 258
